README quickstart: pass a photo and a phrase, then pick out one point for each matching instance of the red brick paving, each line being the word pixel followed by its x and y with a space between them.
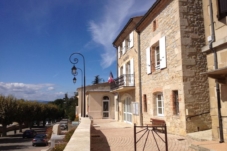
pixel 109 135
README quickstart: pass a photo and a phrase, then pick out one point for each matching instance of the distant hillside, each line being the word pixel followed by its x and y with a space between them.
pixel 42 101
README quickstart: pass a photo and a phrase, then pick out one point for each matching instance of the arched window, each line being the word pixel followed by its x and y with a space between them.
pixel 105 98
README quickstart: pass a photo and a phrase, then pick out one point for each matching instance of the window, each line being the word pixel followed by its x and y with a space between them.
pixel 127 43
pixel 135 108
pixel 154 25
pixel 145 102
pixel 105 107
pixel 175 103
pixel 156 56
pixel 222 9
pixel 160 104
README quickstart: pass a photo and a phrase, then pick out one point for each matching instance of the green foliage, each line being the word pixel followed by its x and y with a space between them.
pixel 66 107
pixel 59 147
pixel 49 132
pixel 21 111
pixel 7 109
pixel 97 80
pixel 69 134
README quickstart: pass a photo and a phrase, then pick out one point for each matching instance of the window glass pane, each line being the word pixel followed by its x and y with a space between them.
pixel 105 114
pixel 159 110
pixel 105 106
pixel 159 104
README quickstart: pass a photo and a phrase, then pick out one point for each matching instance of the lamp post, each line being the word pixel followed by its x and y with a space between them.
pixel 75 61
pixel 74 81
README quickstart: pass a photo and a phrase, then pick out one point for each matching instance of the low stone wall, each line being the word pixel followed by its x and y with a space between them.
pixel 81 139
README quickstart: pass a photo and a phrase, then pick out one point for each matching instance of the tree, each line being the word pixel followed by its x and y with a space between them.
pixel 7 111
pixel 20 116
pixel 97 80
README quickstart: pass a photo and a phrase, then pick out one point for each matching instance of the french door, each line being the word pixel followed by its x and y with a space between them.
pixel 127 110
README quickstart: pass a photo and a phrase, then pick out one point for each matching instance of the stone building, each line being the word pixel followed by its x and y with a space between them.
pixel 99 101
pixel 165 82
pixel 216 49
pixel 124 86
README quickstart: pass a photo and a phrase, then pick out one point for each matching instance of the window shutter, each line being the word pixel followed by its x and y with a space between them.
pixel 119 52
pixel 132 72
pixel 162 47
pixel 123 47
pixel 148 55
pixel 131 39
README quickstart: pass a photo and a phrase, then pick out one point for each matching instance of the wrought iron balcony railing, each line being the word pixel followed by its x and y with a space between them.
pixel 123 80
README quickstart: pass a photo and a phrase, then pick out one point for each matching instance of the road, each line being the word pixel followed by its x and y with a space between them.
pixel 15 142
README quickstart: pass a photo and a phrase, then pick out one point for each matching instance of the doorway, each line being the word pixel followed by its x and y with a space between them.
pixel 106 107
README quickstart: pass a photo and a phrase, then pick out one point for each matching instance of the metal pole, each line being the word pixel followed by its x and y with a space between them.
pixel 81 84
pixel 134 136
pixel 216 67
pixel 74 62
pixel 166 138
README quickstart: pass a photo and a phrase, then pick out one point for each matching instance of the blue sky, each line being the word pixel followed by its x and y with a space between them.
pixel 38 36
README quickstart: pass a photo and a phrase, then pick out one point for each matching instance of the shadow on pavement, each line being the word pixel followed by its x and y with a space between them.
pixel 5 140
pixel 98 140
pixel 12 147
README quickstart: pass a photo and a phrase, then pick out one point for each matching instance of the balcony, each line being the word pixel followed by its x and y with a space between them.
pixel 123 83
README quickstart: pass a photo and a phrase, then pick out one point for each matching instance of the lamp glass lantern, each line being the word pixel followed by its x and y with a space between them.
pixel 73 70
pixel 74 80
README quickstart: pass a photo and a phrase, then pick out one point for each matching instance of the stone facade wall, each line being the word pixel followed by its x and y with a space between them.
pixel 220 45
pixel 194 63
pixel 130 53
pixel 182 25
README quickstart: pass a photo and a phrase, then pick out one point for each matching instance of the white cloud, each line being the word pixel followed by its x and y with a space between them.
pixel 116 14
pixel 30 91
pixel 51 88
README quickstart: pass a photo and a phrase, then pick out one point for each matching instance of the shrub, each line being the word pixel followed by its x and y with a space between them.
pixel 49 132
pixel 69 134
pixel 59 147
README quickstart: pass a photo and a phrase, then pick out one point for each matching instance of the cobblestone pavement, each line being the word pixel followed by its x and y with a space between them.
pixel 109 135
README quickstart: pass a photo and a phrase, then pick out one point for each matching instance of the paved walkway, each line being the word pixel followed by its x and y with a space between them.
pixel 109 135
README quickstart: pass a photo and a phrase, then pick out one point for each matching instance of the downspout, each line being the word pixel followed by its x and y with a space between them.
pixel 118 96
pixel 216 67
pixel 140 83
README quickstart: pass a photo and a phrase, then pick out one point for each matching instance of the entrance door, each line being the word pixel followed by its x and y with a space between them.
pixel 105 107
pixel 127 110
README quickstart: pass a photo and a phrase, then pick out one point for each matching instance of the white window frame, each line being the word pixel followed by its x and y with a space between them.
pixel 162 104
pixel 157 58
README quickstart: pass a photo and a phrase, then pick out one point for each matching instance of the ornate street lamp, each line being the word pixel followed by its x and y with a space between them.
pixel 74 69
pixel 74 80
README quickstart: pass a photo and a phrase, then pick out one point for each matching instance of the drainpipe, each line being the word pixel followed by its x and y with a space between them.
pixel 216 67
pixel 140 85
